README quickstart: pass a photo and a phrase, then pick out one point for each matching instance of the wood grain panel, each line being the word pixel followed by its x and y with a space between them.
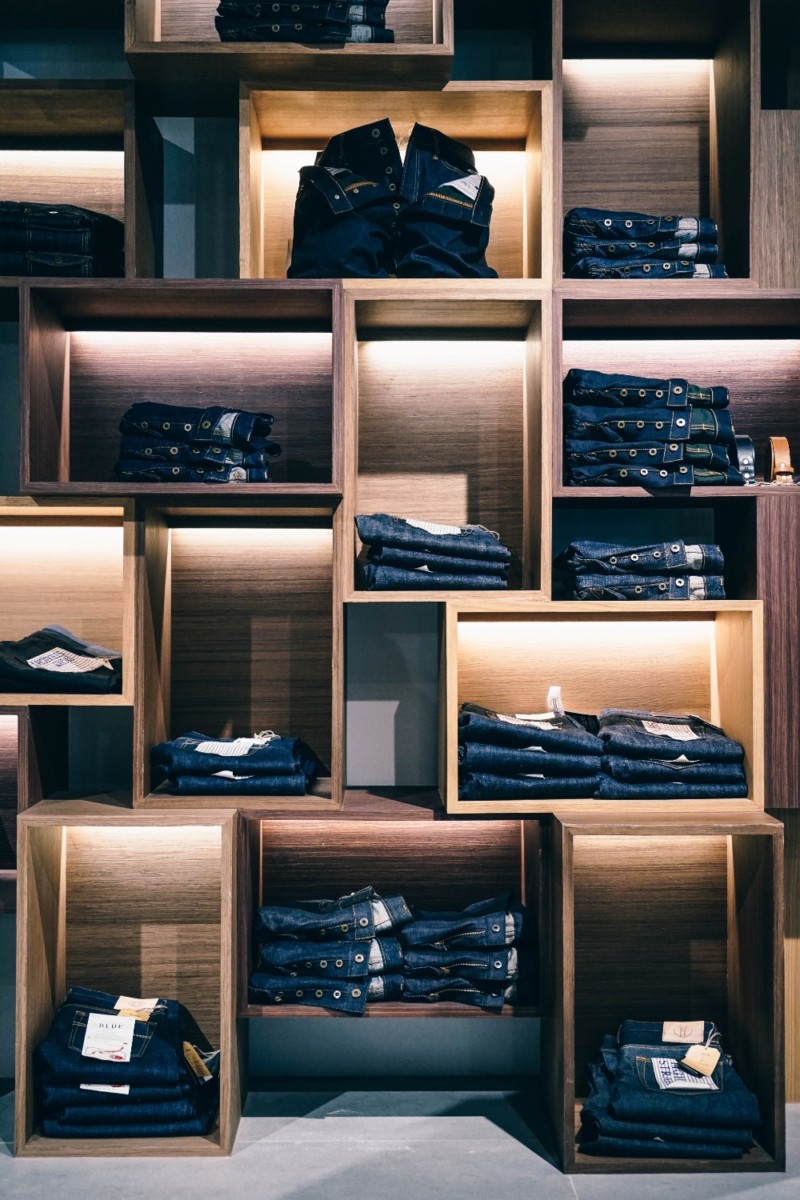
pixel 44 392
pixel 9 790
pixel 778 568
pixel 252 632
pixel 731 139
pixel 791 822
pixel 651 24
pixel 193 21
pixel 776 195
pixel 92 179
pixel 286 374
pixel 650 934
pixel 143 915
pixel 68 108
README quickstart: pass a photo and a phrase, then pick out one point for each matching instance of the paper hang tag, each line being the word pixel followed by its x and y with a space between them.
pixel 702 1059
pixel 196 1064
pixel 683 1031
pixel 66 662
pixel 554 701
pixel 469 185
pixel 434 527
pixel 537 720
pixel 108 1038
pixel 116 1089
pixel 671 1077
pixel 678 733
pixel 234 749
pixel 132 1006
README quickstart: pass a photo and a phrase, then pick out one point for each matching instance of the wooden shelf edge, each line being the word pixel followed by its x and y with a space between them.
pixel 39 1146
pixel 391 1009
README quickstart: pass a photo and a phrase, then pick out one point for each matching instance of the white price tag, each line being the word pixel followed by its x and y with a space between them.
pixel 678 733
pixel 67 663
pixel 433 526
pixel 108 1038
pixel 683 1031
pixel 116 1089
pixel 669 1076
pixel 469 185
pixel 230 749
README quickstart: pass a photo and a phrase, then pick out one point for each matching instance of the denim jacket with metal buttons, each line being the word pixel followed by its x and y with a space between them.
pixel 654 477
pixel 639 391
pixel 611 558
pixel 431 988
pixel 483 924
pixel 193 426
pixel 647 424
pixel 340 960
pixel 360 917
pixel 670 455
pixel 649 587
pixel 318 991
pixel 497 965
pixel 603 268
pixel 611 223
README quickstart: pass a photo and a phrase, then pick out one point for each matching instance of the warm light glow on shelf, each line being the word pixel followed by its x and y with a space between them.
pixel 90 178
pixel 464 357
pixel 715 357
pixel 238 539
pixel 121 839
pixel 664 70
pixel 208 343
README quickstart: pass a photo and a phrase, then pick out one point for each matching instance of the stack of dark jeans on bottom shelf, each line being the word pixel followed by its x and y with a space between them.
pixel 666 756
pixel 660 571
pixel 116 1067
pixel 605 244
pixel 59 240
pixel 262 765
pixel 643 1104
pixel 632 430
pixel 343 954
pixel 54 660
pixel 410 555
pixel 525 756
pixel 333 23
pixel 170 443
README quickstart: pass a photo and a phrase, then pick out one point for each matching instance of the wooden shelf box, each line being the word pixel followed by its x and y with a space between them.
pixel 694 656
pixel 665 920
pixel 507 127
pixel 176 42
pixel 657 112
pixel 751 344
pixel 74 142
pixel 239 634
pixel 449 423
pixel 90 351
pixel 138 904
pixel 432 864
pixel 73 566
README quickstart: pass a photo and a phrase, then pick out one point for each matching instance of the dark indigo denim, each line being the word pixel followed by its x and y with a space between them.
pixel 340 960
pixel 613 789
pixel 320 991
pixel 653 425
pixel 485 923
pixel 140 1112
pixel 603 268
pixel 450 564
pixel 564 734
pixel 159 1128
pixel 316 920
pixel 639 391
pixel 636 1096
pixel 278 756
pixel 156 1056
pixel 511 760
pixel 651 1033
pixel 646 770
pixel 612 558
pixel 58 264
pixel 497 966
pixel 649 587
pixel 430 989
pixel 192 426
pixel 148 449
pixel 133 470
pixel 56 1097
pixel 17 676
pixel 362 211
pixel 59 239
pixel 295 784
pixel 653 477
pixel 471 541
pixel 341 12
pixel 641 251
pixel 232 29
pixel 644 454
pixel 481 785
pixel 601 223
pixel 378 579
pixel 623 733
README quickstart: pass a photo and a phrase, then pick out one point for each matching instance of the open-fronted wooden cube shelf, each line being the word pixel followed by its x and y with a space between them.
pixel 74 566
pixel 74 142
pixel 140 905
pixel 33 760
pixel 699 657
pixel 665 921
pixel 450 425
pixel 91 351
pixel 751 346
pixel 175 42
pixel 508 128
pixel 657 112
pixel 432 864
pixel 239 635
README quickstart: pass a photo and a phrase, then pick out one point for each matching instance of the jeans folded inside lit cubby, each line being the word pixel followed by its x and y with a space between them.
pixel 92 351
pixel 430 864
pixel 72 566
pixel 133 905
pixel 282 132
pixel 657 113
pixel 447 406
pixel 238 636
pixel 675 657
pixel 659 921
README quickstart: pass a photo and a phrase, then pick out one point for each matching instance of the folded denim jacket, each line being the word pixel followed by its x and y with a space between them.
pixel 322 991
pixel 639 391
pixel 535 760
pixel 135 446
pixel 487 923
pixel 333 12
pixel 655 558
pixel 499 965
pixel 461 541
pixel 635 734
pixel 653 477
pixel 601 223
pixel 619 250
pixel 337 960
pixel 644 454
pixel 653 425
pixel 248 29
pixel 649 587
pixel 568 734
pixel 359 917
pixel 640 268
pixel 210 426
pixel 430 989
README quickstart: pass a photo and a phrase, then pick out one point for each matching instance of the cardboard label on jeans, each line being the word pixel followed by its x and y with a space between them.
pixel 230 749
pixel 683 1031
pixel 196 1063
pixel 108 1038
pixel 678 733
pixel 702 1059
pixel 671 1077
pixel 66 662
pixel 131 1006
pixel 116 1089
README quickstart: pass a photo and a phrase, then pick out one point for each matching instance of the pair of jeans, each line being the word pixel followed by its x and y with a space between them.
pixel 655 558
pixel 360 917
pixel 681 769
pixel 596 454
pixel 375 578
pixel 339 21
pixel 411 559
pixel 481 785
pixel 648 587
pixel 513 760
pixel 568 733
pixel 54 660
pixel 639 391
pixel 264 765
pixel 59 239
pixel 363 211
pixel 473 542
pixel 337 960
pixel 652 477
pixel 615 426
pixel 613 789
pixel 633 734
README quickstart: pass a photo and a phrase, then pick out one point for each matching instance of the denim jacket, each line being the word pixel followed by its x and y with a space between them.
pixel 486 923
pixel 600 223
pixel 669 558
pixel 340 960
pixel 214 425
pixel 603 424
pixel 637 391
pixel 359 917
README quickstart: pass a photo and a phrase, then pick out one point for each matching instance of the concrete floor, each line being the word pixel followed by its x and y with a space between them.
pixel 461 1144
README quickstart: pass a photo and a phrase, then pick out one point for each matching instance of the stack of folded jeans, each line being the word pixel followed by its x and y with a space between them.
pixel 262 765
pixel 114 1066
pixel 363 211
pixel 644 1104
pixel 59 240
pixel 603 244
pixel 409 555
pixel 55 660
pixel 334 23
pixel 630 430
pixel 343 954
pixel 667 756
pixel 171 443
pixel 661 571
pixel 526 756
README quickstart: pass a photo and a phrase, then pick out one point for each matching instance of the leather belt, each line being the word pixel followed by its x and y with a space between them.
pixel 782 471
pixel 745 457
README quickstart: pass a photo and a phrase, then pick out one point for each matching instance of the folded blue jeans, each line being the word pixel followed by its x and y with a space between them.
pixel 378 578
pixel 546 731
pixel 481 785
pixel 613 789
pixel 54 660
pixel 679 770
pixel 190 1127
pixel 639 391
pixel 649 587
pixel 261 755
pixel 652 425
pixel 295 784
pixel 613 223
pixel 636 1095
pixel 188 425
pixel 460 541
pixel 450 564
pixel 634 734
pixel 361 916
pixel 640 268
pixel 510 760
pixel 670 558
